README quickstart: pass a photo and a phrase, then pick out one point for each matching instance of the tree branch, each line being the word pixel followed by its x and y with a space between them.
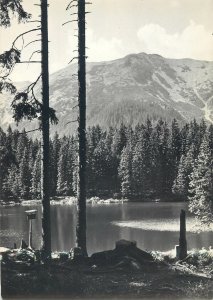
pixel 73 6
pixel 74 107
pixel 71 21
pixel 32 42
pixel 30 131
pixel 35 21
pixel 37 51
pixel 73 59
pixel 32 85
pixel 29 62
pixel 68 6
pixel 22 34
pixel 74 121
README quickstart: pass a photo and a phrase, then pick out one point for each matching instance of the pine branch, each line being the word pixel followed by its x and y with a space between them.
pixel 32 85
pixel 7 87
pixel 73 6
pixel 37 129
pixel 16 8
pixel 73 121
pixel 35 21
pixel 71 21
pixel 73 59
pixel 24 33
pixel 69 5
pixel 32 42
pixel 9 58
pixel 29 62
pixel 37 51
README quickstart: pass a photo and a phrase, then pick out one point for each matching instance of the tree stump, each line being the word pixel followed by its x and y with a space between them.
pixel 182 253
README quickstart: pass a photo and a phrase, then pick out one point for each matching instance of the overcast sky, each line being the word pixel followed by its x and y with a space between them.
pixel 171 28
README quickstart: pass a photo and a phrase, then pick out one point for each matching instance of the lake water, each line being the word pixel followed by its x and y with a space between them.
pixel 154 226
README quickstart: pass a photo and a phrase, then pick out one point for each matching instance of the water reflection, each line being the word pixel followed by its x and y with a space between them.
pixel 103 228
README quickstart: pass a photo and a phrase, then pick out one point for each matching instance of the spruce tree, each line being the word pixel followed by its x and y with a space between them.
pixel 210 134
pixel 161 153
pixel 11 185
pixel 61 181
pixel 36 178
pixel 93 137
pixel 184 133
pixel 65 168
pixel 54 157
pixel 175 147
pixel 119 141
pixel 194 136
pixel 22 143
pixel 125 172
pixel 103 166
pixel 181 183
pixel 8 161
pixel 139 166
pixel 180 186
pixel 25 175
pixel 201 184
pixel 3 161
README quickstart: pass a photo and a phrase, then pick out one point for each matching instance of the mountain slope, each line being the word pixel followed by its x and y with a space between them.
pixel 130 89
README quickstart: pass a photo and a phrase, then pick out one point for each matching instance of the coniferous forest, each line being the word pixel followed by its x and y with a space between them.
pixel 151 161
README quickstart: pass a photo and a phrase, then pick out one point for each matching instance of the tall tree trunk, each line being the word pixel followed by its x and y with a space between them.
pixel 81 203
pixel 46 227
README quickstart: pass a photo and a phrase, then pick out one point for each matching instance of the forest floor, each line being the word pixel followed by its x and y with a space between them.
pixel 125 273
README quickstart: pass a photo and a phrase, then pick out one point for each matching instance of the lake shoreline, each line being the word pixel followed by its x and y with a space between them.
pixel 63 201
pixel 69 200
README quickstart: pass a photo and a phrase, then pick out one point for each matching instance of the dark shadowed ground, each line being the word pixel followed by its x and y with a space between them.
pixel 122 273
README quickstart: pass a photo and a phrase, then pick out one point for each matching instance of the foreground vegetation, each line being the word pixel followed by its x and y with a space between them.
pixel 123 272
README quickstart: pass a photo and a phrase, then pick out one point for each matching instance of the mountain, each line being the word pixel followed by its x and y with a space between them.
pixel 130 89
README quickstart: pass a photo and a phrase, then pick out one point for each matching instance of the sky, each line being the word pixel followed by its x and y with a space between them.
pixel 115 28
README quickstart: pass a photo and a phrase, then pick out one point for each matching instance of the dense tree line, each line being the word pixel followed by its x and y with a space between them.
pixel 150 161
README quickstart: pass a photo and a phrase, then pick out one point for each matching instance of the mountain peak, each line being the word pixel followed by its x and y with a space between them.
pixel 129 89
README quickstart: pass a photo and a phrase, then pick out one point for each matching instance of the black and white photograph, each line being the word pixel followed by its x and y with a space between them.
pixel 106 149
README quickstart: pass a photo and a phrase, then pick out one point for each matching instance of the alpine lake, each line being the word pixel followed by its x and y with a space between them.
pixel 153 225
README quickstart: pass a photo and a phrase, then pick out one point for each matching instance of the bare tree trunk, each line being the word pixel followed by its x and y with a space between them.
pixel 81 204
pixel 46 227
